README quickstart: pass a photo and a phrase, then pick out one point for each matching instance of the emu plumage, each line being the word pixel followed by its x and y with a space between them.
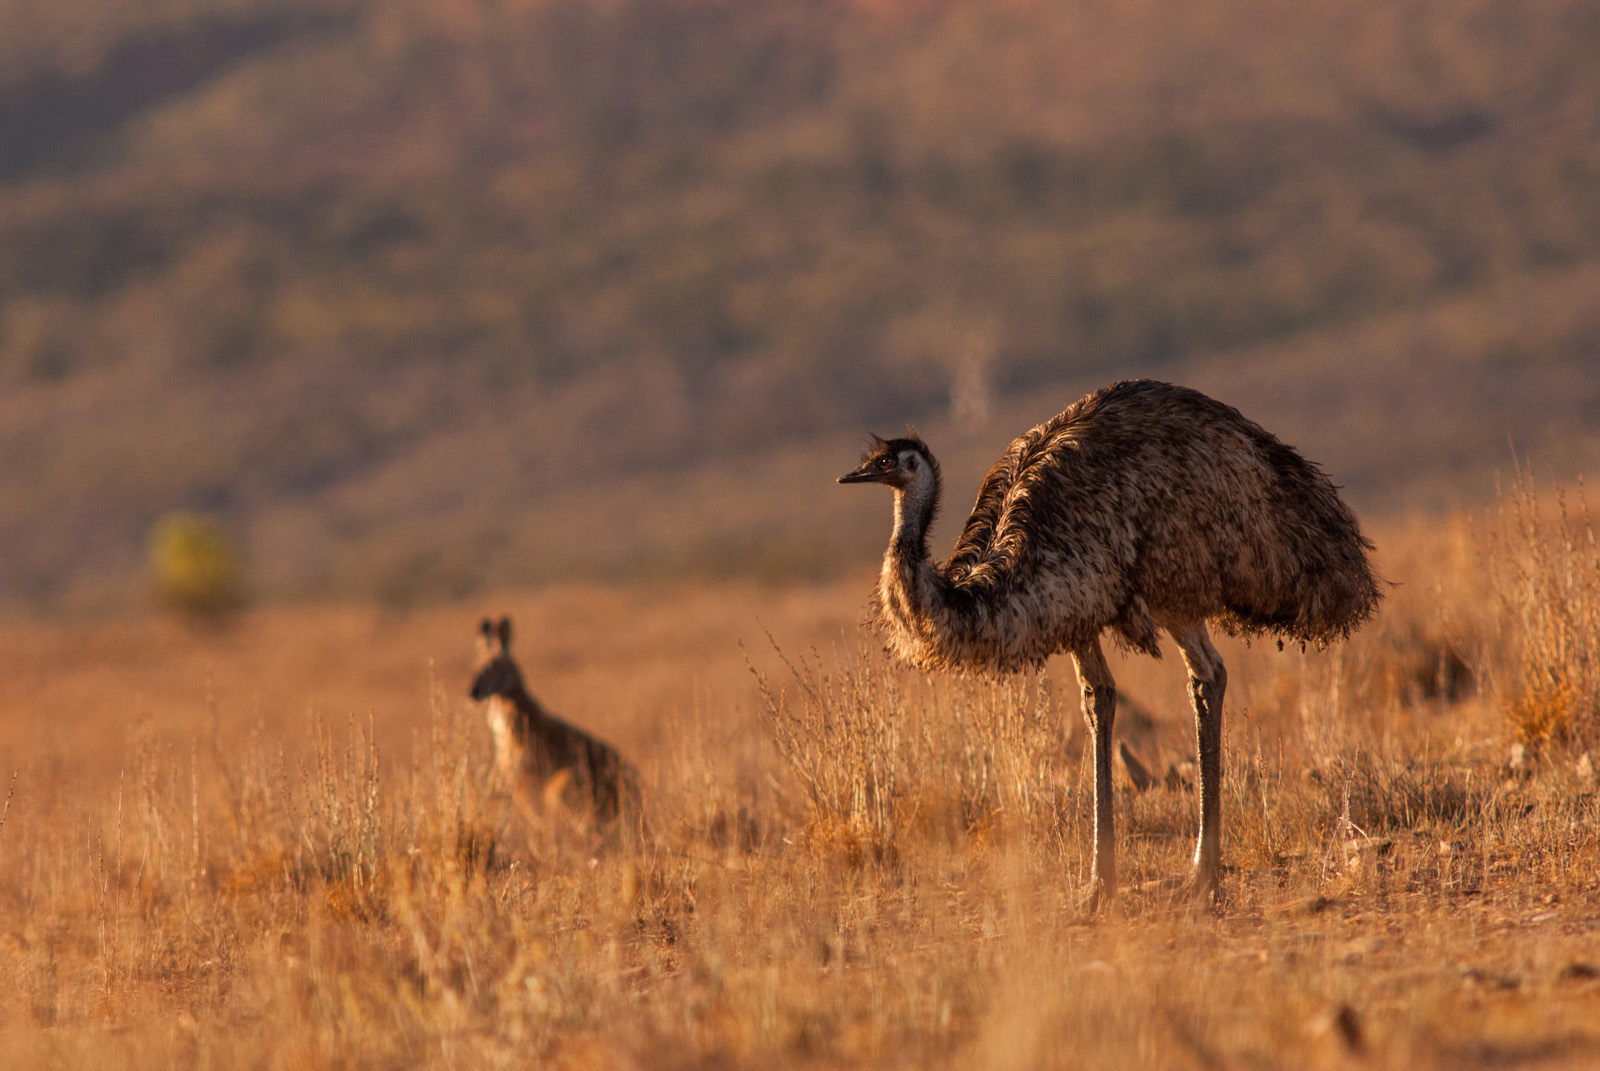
pixel 1143 507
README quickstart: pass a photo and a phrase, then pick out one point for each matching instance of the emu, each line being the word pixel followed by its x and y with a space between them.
pixel 1143 507
pixel 534 749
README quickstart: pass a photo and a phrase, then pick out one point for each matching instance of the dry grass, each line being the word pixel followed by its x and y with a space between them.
pixel 1549 585
pixel 274 847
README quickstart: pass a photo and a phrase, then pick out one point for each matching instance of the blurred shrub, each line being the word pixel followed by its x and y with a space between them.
pixel 195 566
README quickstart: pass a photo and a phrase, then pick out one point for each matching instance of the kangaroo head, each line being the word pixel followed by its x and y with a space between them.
pixel 497 672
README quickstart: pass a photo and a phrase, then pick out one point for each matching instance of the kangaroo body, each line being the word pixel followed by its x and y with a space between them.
pixel 538 757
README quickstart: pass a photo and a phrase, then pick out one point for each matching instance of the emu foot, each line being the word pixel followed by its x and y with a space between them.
pixel 1203 887
pixel 1098 901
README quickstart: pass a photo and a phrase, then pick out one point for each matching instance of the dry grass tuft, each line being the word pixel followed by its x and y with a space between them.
pixel 1549 587
pixel 887 758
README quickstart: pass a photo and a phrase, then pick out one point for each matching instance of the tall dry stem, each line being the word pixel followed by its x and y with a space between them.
pixel 1548 584
pixel 345 831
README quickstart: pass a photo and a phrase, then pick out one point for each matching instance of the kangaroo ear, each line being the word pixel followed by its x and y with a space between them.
pixel 503 629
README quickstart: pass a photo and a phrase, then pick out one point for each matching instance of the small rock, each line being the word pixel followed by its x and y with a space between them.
pixel 1578 972
pixel 1585 769
pixel 1358 948
pixel 1342 1025
pixel 1520 760
pixel 1489 979
pixel 1356 847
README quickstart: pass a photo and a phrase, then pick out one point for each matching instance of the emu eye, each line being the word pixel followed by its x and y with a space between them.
pixel 885 462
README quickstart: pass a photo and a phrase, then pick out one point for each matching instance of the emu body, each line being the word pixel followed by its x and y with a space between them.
pixel 537 755
pixel 1144 507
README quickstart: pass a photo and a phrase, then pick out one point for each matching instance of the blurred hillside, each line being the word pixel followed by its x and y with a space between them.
pixel 419 296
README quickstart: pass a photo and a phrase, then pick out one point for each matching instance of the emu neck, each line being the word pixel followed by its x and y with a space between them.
pixel 914 603
pixel 914 507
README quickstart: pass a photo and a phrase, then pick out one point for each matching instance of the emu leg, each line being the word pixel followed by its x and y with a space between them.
pixel 1208 680
pixel 1100 713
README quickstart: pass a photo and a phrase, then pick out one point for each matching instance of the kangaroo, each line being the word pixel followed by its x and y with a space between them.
pixel 536 752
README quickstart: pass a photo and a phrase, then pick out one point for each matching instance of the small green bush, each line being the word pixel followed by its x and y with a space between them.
pixel 195 566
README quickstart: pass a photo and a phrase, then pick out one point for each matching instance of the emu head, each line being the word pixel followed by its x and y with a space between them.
pixel 497 673
pixel 904 464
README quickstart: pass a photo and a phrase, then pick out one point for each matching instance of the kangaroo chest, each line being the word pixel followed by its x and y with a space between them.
pixel 508 749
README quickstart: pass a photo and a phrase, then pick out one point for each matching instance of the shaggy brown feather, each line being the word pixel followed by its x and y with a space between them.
pixel 1143 507
pixel 1141 504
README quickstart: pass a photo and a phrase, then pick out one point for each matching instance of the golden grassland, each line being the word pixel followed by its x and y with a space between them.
pixel 276 846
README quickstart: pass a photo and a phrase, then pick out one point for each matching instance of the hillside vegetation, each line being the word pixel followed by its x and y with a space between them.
pixel 417 297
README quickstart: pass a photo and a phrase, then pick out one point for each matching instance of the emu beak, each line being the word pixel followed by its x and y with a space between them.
pixel 862 475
